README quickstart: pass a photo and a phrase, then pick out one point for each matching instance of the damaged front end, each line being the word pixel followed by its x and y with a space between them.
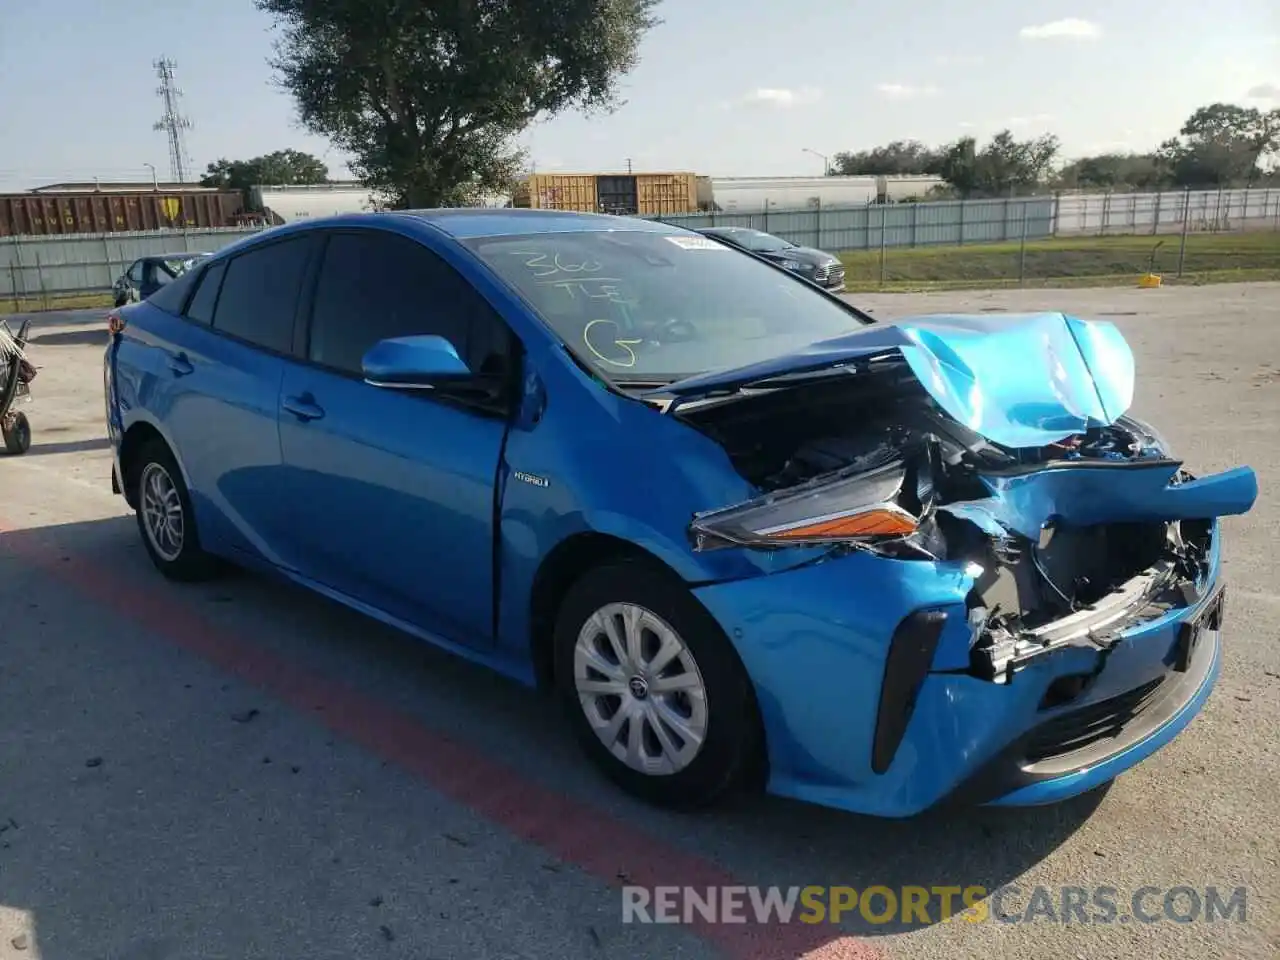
pixel 1074 539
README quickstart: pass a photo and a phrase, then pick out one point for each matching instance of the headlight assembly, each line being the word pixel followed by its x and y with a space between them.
pixel 866 507
pixel 1152 441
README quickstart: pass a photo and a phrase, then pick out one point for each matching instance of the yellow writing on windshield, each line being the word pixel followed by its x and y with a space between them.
pixel 617 360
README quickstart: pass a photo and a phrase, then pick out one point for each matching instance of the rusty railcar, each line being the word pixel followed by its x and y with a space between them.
pixel 52 214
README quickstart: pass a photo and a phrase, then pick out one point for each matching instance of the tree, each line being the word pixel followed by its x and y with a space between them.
pixel 1115 171
pixel 1005 166
pixel 273 169
pixel 893 159
pixel 1222 145
pixel 428 97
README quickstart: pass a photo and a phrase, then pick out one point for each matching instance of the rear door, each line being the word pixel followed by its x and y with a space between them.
pixel 224 374
pixel 391 492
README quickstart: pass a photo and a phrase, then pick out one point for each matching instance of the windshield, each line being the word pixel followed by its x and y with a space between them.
pixel 758 242
pixel 637 305
pixel 177 266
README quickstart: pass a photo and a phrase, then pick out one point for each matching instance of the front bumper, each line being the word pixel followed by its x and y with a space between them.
pixel 815 641
pixel 829 279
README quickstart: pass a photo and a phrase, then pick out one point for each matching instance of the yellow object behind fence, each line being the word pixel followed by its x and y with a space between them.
pixel 1149 281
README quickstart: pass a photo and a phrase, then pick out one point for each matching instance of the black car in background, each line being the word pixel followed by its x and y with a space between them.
pixel 814 265
pixel 146 275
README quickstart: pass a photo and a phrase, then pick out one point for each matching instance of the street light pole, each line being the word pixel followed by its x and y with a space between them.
pixel 826 165
pixel 155 183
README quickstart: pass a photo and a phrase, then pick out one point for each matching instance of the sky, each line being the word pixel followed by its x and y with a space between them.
pixel 741 88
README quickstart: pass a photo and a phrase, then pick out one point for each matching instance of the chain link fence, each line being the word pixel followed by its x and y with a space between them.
pixel 39 272
pixel 1061 240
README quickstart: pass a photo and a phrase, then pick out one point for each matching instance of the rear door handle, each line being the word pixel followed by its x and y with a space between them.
pixel 180 365
pixel 304 407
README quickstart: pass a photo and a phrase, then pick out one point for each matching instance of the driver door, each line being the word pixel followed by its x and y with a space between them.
pixel 390 492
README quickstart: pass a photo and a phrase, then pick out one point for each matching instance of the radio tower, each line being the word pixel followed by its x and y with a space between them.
pixel 172 123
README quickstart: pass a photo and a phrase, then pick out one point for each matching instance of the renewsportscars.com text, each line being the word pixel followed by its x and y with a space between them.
pixel 927 905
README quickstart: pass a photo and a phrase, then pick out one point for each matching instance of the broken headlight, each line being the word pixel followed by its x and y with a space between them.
pixel 1151 442
pixel 869 506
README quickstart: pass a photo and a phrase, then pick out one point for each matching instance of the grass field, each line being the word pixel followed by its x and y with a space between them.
pixel 1078 261
pixel 73 302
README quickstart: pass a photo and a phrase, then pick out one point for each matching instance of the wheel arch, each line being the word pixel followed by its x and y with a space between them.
pixel 135 440
pixel 559 570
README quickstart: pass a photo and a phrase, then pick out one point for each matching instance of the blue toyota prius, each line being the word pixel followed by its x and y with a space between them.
pixel 746 533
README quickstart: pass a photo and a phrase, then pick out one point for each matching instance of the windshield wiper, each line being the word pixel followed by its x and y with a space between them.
pixel 630 384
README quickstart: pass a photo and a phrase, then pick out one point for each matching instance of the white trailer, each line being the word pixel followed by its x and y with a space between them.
pixel 754 194
pixel 289 203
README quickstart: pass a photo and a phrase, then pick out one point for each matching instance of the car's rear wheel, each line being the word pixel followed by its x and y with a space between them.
pixel 165 518
pixel 653 688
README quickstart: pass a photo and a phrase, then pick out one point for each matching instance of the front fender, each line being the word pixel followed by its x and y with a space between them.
pixel 600 463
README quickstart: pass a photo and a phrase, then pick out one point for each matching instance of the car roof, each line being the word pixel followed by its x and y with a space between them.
pixel 176 255
pixel 466 223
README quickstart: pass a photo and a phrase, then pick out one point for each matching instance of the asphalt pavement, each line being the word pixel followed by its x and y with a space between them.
pixel 243 770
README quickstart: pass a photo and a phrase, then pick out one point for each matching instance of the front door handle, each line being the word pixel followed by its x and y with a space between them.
pixel 180 365
pixel 304 407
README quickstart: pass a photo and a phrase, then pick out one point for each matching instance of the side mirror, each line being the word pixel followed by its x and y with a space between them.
pixel 419 361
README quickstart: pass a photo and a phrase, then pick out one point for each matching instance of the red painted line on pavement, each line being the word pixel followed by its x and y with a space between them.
pixel 570 830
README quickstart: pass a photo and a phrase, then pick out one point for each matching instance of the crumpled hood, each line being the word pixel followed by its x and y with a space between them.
pixel 1018 380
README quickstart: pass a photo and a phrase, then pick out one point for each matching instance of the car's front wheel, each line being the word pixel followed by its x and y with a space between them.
pixel 17 433
pixel 165 518
pixel 654 689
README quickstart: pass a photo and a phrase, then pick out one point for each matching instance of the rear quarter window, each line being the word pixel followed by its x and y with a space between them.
pixel 260 291
pixel 172 297
pixel 200 309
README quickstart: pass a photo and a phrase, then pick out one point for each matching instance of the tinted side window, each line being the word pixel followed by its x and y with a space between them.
pixel 173 295
pixel 375 285
pixel 260 294
pixel 201 307
pixel 134 272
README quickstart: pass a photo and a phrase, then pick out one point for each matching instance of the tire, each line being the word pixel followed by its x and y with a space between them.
pixel 176 554
pixel 730 749
pixel 17 435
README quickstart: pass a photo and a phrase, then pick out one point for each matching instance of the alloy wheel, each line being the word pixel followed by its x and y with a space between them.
pixel 162 515
pixel 640 689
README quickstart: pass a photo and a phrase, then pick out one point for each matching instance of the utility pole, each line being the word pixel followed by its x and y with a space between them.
pixel 172 123
pixel 628 164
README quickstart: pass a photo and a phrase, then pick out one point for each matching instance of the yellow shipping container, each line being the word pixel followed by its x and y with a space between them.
pixel 557 191
pixel 622 194
pixel 667 192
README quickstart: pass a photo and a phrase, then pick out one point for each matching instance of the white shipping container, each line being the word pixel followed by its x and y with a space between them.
pixel 291 203
pixel 897 188
pixel 753 194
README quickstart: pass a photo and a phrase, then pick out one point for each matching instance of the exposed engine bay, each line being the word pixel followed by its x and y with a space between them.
pixel 922 474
